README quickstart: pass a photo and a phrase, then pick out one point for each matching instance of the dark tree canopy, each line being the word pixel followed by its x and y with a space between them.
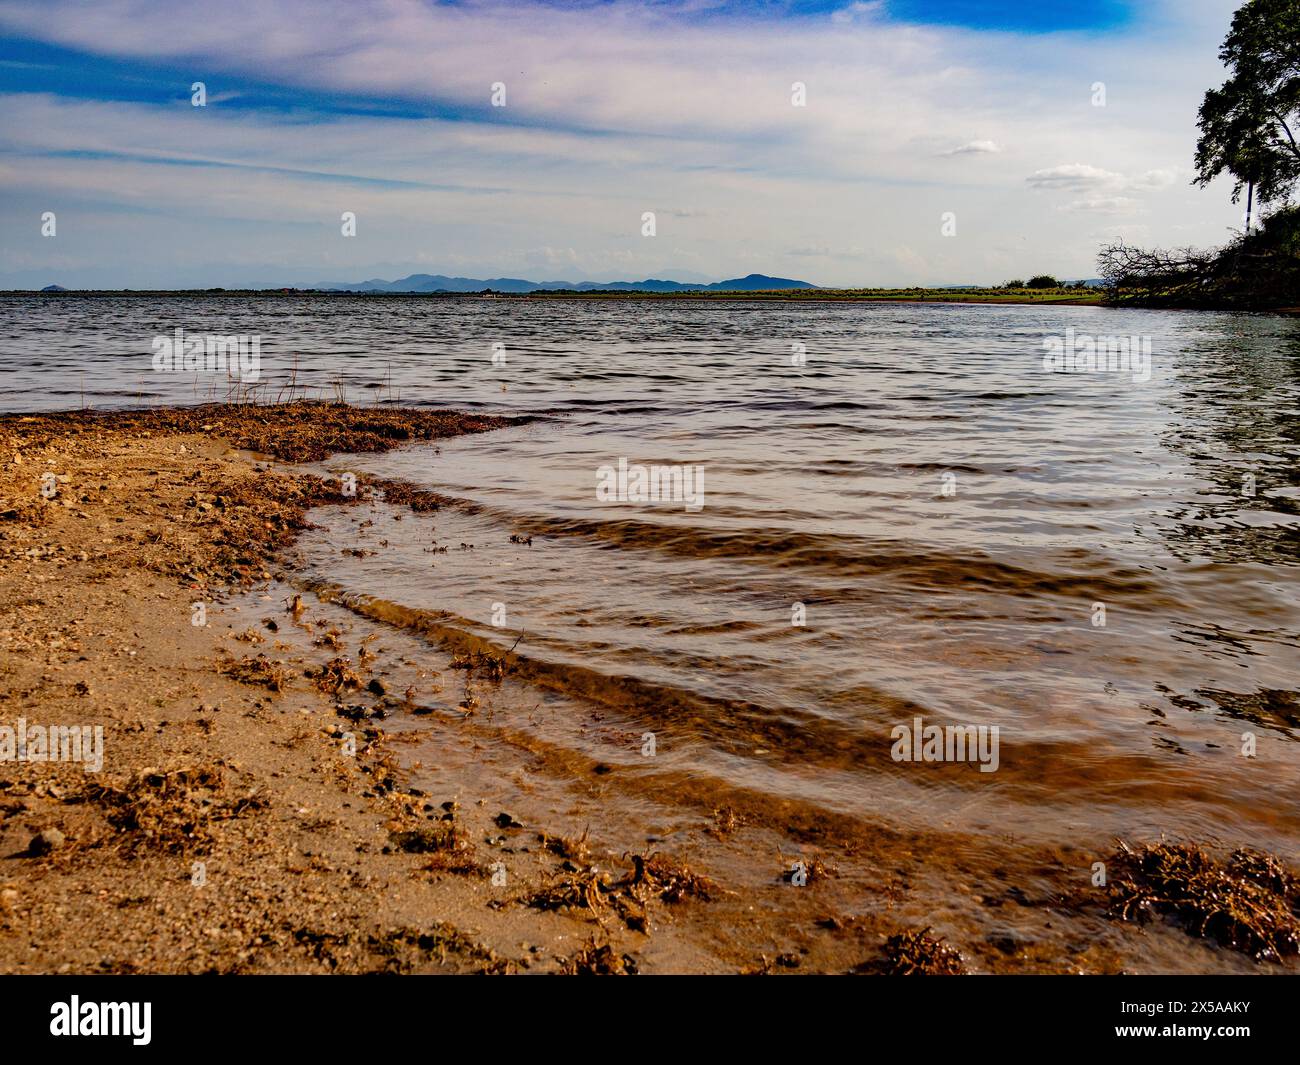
pixel 1249 126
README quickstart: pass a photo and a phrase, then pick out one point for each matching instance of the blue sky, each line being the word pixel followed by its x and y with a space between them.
pixel 910 112
pixel 1026 17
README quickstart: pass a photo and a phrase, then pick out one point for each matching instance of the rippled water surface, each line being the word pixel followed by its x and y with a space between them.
pixel 954 520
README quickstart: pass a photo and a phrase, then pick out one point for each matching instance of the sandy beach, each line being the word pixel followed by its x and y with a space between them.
pixel 248 816
pixel 254 810
pixel 226 830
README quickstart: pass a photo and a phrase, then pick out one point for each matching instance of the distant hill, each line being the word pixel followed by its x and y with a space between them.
pixel 54 288
pixel 442 283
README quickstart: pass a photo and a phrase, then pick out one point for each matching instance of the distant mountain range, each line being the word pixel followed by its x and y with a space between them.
pixel 441 283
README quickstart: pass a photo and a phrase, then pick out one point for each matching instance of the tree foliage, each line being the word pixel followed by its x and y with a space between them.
pixel 1249 129
pixel 1249 126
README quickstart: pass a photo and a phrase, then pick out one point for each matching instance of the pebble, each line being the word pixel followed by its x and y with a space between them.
pixel 44 842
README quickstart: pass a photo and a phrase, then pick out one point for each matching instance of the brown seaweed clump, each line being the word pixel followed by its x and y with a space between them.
pixel 492 667
pixel 566 846
pixel 445 847
pixel 402 494
pixel 656 875
pixel 652 876
pixel 170 810
pixel 590 890
pixel 259 670
pixel 427 839
pixel 460 862
pixel 914 952
pixel 1250 902
pixel 725 822
pixel 603 960
pixel 813 869
pixel 580 891
pixel 335 676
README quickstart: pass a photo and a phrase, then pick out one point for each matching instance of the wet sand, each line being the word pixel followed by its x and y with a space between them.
pixel 271 800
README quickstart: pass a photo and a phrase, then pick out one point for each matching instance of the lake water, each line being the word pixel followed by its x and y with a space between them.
pixel 904 515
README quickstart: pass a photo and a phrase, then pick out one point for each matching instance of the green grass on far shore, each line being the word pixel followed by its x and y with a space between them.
pixel 1086 296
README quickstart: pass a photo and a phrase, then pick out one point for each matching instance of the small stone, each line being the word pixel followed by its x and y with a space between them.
pixel 504 820
pixel 45 842
pixel 376 687
pixel 1011 943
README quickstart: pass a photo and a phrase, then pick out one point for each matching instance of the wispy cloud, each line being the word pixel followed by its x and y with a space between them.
pixel 1105 205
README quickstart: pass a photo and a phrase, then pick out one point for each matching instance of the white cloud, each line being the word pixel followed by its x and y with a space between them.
pixel 976 148
pixel 1154 180
pixel 1074 177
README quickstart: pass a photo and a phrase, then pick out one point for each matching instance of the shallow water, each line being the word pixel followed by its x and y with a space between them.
pixel 949 515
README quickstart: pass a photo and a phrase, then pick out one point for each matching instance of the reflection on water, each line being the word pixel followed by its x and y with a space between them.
pixel 1239 429
pixel 949 521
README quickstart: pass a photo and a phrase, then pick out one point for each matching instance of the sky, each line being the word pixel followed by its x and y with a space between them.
pixel 884 143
